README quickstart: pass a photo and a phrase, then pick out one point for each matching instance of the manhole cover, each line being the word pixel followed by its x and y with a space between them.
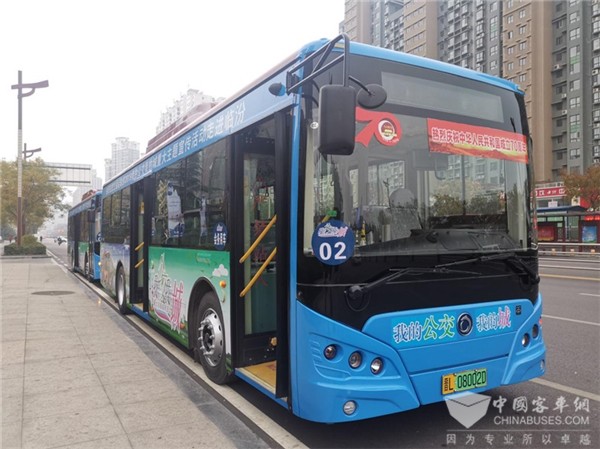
pixel 53 293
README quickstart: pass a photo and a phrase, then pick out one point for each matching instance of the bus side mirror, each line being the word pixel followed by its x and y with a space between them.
pixel 337 119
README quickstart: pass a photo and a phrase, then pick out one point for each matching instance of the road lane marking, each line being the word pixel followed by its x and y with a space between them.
pixel 570 267
pixel 570 319
pixel 572 257
pixel 559 276
pixel 590 294
pixel 566 389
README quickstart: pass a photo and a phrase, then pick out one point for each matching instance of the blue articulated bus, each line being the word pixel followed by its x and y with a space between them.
pixel 83 240
pixel 352 234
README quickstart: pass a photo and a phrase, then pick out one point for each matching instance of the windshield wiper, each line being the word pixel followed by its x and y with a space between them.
pixel 358 292
pixel 510 259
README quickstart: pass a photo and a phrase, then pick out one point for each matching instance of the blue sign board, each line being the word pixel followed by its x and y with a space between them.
pixel 333 242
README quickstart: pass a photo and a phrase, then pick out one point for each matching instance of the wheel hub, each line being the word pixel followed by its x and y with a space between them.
pixel 121 291
pixel 210 337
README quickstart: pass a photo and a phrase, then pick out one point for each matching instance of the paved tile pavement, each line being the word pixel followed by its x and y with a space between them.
pixel 74 374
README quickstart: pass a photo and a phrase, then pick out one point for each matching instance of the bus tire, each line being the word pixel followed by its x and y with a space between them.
pixel 209 339
pixel 121 291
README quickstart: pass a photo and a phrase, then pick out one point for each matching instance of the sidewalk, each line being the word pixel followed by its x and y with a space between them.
pixel 74 374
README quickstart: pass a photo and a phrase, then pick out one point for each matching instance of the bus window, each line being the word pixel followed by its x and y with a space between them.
pixel 168 217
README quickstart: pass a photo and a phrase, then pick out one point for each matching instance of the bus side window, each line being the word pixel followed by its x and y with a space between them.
pixel 214 187
pixel 191 229
pixel 158 231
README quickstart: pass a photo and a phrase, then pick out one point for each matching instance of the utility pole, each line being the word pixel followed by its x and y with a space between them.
pixel 32 87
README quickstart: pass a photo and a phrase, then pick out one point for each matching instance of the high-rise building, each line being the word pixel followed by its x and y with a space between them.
pixel 470 35
pixel 184 111
pixel 124 153
pixel 357 22
pixel 575 85
pixel 375 22
pixel 527 53
pixel 181 107
pixel 551 49
pixel 421 28
pixel 387 30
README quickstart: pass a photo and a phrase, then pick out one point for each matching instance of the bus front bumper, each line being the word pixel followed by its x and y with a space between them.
pixel 330 390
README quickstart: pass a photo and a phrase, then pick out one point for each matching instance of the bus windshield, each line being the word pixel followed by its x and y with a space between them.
pixel 441 167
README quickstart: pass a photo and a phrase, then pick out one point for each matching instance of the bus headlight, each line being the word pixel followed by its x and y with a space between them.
pixel 376 365
pixel 355 359
pixel 535 331
pixel 525 340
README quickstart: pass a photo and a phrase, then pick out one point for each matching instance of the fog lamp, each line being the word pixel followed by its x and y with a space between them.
pixel 349 407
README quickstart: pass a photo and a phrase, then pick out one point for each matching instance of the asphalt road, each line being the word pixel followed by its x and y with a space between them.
pixel 563 407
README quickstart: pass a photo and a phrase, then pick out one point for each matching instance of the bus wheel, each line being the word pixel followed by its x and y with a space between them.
pixel 209 339
pixel 121 295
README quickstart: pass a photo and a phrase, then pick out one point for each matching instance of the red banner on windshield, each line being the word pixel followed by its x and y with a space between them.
pixel 476 141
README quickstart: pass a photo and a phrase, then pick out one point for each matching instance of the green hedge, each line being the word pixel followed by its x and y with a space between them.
pixel 29 247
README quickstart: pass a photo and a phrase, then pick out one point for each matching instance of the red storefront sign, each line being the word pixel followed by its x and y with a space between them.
pixel 549 192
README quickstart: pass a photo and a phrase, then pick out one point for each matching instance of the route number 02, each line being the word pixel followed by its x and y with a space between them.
pixel 326 252
pixel 333 242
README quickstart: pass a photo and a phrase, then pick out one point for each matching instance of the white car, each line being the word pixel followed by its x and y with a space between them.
pixel 60 239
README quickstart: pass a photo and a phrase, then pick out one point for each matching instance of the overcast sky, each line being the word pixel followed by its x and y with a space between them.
pixel 114 66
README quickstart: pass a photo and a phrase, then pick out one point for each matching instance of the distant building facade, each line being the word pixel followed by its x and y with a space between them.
pixel 575 78
pixel 551 49
pixel 124 152
pixel 96 184
pixel 184 111
pixel 357 22
pixel 183 106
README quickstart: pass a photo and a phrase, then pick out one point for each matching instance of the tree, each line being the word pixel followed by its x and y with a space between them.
pixel 41 197
pixel 478 201
pixel 586 186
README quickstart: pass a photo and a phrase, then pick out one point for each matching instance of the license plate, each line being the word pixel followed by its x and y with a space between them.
pixel 465 380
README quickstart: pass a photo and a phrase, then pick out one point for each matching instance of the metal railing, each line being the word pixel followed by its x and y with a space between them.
pixel 265 263
pixel 569 249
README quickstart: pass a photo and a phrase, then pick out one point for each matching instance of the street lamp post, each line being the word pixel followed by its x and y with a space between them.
pixel 32 87
pixel 28 153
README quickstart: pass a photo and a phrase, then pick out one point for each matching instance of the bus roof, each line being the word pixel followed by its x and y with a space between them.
pixel 84 204
pixel 432 64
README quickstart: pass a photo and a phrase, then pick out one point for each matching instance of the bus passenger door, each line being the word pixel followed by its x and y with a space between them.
pixel 73 239
pixel 139 247
pixel 257 299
